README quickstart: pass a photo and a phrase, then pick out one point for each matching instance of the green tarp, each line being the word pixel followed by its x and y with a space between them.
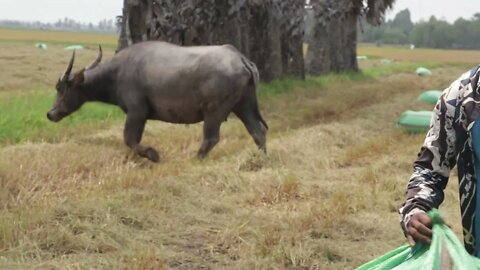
pixel 445 252
pixel 415 121
pixel 430 96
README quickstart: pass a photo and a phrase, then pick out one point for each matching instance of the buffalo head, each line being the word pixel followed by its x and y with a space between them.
pixel 69 90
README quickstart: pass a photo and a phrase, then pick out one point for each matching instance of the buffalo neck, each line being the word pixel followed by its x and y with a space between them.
pixel 99 85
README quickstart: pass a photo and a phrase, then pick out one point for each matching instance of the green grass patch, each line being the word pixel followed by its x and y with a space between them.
pixel 286 86
pixel 406 67
pixel 23 117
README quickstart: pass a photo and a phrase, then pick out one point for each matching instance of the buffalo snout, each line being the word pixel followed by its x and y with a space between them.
pixel 53 116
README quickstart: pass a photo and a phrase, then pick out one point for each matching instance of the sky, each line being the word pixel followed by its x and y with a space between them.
pixel 53 10
pixel 446 9
pixel 96 10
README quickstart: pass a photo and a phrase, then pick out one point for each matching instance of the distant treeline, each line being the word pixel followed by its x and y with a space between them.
pixel 434 33
pixel 104 26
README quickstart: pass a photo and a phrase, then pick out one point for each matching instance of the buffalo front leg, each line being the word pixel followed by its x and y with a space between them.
pixel 132 135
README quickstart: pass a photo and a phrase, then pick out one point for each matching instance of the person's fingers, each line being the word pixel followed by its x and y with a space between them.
pixel 419 229
pixel 422 229
pixel 417 236
pixel 424 239
pixel 425 220
pixel 410 240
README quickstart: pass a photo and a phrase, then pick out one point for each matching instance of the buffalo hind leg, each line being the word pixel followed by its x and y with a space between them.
pixel 254 126
pixel 211 136
pixel 133 132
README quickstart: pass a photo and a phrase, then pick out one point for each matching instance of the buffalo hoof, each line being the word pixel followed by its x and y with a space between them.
pixel 152 155
pixel 201 155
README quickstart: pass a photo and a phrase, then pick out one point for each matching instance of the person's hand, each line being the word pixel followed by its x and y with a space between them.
pixel 419 229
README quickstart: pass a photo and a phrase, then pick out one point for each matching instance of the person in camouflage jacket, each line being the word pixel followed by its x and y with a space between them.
pixel 447 143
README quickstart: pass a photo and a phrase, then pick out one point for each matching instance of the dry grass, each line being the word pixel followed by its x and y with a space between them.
pixel 32 69
pixel 324 197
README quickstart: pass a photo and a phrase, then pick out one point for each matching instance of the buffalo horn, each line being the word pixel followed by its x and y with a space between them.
pixel 98 60
pixel 69 68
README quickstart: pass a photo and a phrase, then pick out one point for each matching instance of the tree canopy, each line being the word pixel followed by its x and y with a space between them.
pixel 434 33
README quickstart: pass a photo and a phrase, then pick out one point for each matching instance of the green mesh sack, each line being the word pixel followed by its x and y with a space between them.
pixel 415 121
pixel 430 96
pixel 421 71
pixel 445 252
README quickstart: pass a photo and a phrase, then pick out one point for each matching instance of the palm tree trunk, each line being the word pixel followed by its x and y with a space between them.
pixel 318 57
pixel 333 44
pixel 350 52
pixel 262 30
pixel 293 30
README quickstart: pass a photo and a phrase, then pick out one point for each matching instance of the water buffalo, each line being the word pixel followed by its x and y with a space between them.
pixel 161 81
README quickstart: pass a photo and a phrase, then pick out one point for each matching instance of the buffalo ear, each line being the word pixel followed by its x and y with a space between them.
pixel 79 77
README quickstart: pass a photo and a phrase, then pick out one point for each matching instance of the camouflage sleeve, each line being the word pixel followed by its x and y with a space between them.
pixel 432 167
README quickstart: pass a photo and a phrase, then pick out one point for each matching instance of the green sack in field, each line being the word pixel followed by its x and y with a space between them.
pixel 421 71
pixel 445 252
pixel 415 121
pixel 430 96
pixel 385 61
pixel 42 46
pixel 74 47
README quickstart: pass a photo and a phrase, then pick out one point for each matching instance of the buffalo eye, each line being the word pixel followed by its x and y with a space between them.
pixel 57 86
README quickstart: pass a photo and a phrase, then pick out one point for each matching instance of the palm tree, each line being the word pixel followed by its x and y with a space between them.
pixel 333 44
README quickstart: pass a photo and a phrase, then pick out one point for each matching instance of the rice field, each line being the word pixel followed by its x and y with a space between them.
pixel 56 37
pixel 421 54
pixel 324 197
